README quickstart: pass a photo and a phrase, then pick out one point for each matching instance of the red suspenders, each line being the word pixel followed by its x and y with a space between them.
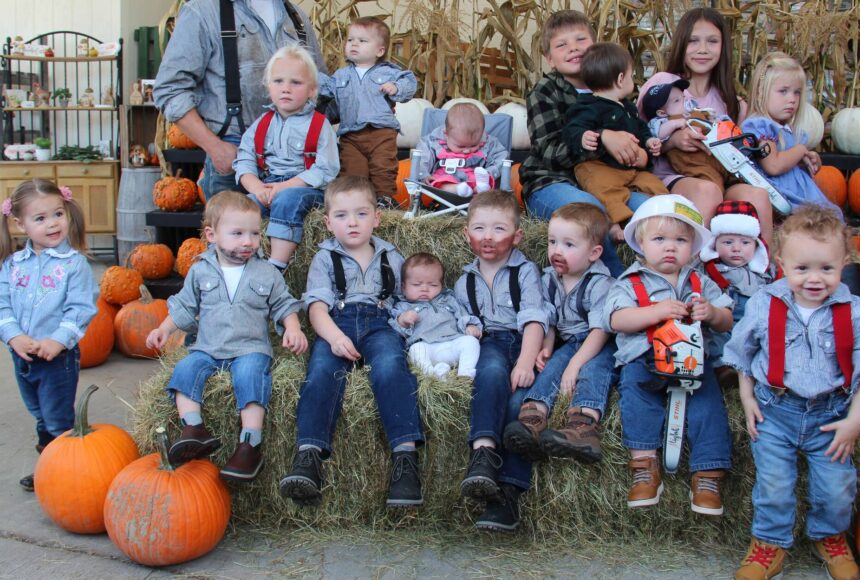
pixel 716 275
pixel 311 140
pixel 643 299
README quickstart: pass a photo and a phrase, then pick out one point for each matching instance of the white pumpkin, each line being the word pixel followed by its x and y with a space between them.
pixel 520 138
pixel 410 115
pixel 478 104
pixel 813 127
pixel 846 131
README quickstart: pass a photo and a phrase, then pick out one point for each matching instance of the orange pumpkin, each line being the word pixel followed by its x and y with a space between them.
pixel 75 470
pixel 153 261
pixel 135 321
pixel 403 170
pixel 97 343
pixel 187 254
pixel 832 182
pixel 121 285
pixel 201 195
pixel 159 515
pixel 179 140
pixel 854 192
pixel 175 193
pixel 516 186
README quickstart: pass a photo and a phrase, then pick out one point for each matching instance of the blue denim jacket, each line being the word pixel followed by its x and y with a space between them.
pixel 566 318
pixel 495 303
pixel 621 295
pixel 440 319
pixel 284 150
pixel 362 287
pixel 47 295
pixel 191 74
pixel 228 329
pixel 360 101
pixel 811 368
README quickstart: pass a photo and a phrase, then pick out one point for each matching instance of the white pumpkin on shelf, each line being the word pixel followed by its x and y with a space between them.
pixel 845 130
pixel 813 128
pixel 520 139
pixel 410 115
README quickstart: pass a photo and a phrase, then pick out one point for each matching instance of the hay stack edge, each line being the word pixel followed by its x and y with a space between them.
pixel 569 502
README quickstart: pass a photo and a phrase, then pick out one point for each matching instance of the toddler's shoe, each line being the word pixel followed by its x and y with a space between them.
pixel 27 482
pixel 836 555
pixel 441 370
pixel 463 190
pixel 762 562
pixel 303 483
pixel 405 487
pixel 579 439
pixel 482 474
pixel 502 513
pixel 705 492
pixel 244 465
pixel 194 442
pixel 523 435
pixel 482 179
pixel 647 486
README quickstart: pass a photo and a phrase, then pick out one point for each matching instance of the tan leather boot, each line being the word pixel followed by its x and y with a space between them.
pixel 705 492
pixel 647 485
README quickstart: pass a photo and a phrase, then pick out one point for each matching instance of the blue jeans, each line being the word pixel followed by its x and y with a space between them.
pixel 48 390
pixel 394 387
pixel 546 200
pixel 643 413
pixel 213 182
pixel 719 339
pixel 792 426
pixel 251 374
pixel 288 210
pixel 593 382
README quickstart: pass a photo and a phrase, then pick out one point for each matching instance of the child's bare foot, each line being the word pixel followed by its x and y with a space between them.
pixel 616 234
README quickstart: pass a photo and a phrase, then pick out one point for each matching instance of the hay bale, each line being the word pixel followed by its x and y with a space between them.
pixel 569 503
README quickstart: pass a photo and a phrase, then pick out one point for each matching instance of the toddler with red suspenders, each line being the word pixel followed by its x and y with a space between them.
pixel 289 154
pixel 797 352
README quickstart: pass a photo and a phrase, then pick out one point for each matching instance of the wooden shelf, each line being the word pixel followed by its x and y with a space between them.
pixel 36 109
pixel 58 58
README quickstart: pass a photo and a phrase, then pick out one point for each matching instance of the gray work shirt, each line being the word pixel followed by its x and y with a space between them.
pixel 191 74
pixel 228 329
pixel 440 319
pixel 566 317
pixel 360 102
pixel 362 287
pixel 621 295
pixel 495 304
pixel 811 366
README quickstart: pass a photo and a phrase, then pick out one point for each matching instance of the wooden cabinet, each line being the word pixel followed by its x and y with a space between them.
pixel 93 185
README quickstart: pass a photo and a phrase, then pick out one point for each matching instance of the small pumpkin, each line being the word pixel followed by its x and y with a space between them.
pixel 159 514
pixel 832 182
pixel 175 193
pixel 121 285
pixel 201 195
pixel 854 191
pixel 135 321
pixel 404 167
pixel 187 254
pixel 153 261
pixel 76 469
pixel 179 140
pixel 845 130
pixel 97 343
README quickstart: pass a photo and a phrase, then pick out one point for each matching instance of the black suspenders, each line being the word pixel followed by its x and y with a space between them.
pixel 513 288
pixel 580 296
pixel 340 278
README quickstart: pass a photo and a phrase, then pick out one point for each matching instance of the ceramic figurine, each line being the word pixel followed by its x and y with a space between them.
pixel 138 156
pixel 88 99
pixel 18 45
pixel 41 97
pixel 108 98
pixel 136 97
pixel 147 94
pixel 83 47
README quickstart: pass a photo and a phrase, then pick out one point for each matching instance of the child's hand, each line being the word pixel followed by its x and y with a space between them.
pixel 654 146
pixel 568 379
pixel 752 413
pixel 522 376
pixel 590 139
pixel 388 88
pixel 473 330
pixel 295 341
pixel 408 318
pixel 23 346
pixel 265 195
pixel 670 310
pixel 543 356
pixel 157 338
pixel 48 349
pixel 844 439
pixel 701 309
pixel 812 161
pixel 344 348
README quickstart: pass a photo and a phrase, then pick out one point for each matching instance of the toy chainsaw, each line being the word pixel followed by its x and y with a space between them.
pixel 679 359
pixel 735 150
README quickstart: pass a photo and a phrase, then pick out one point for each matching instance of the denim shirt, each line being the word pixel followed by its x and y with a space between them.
pixel 191 74
pixel 359 100
pixel 440 319
pixel 284 149
pixel 47 295
pixel 621 295
pixel 228 329
pixel 495 304
pixel 811 367
pixel 492 150
pixel 566 318
pixel 362 287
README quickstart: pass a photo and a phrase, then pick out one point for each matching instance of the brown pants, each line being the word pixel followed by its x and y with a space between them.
pixel 371 152
pixel 612 186
pixel 701 166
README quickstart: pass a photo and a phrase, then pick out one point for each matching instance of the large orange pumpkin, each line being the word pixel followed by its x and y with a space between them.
pixel 97 343
pixel 153 261
pixel 160 515
pixel 75 470
pixel 832 182
pixel 179 140
pixel 187 254
pixel 854 192
pixel 121 285
pixel 175 193
pixel 135 321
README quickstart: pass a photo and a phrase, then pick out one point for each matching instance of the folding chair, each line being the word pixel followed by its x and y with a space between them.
pixel 438 201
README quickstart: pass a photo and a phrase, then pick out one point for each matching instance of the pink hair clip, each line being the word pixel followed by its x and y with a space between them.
pixel 7 206
pixel 66 192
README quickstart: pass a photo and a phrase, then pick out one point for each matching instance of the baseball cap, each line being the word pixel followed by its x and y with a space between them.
pixel 672 205
pixel 656 96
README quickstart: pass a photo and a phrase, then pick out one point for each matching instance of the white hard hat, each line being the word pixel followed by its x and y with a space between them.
pixel 676 206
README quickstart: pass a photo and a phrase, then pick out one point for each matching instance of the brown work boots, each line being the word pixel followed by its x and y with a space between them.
pixel 523 435
pixel 647 485
pixel 762 562
pixel 578 439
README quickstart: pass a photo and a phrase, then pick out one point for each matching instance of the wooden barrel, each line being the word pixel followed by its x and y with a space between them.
pixel 133 203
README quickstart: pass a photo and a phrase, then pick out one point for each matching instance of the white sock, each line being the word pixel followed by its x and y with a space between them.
pixel 441 370
pixel 463 190
pixel 482 179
